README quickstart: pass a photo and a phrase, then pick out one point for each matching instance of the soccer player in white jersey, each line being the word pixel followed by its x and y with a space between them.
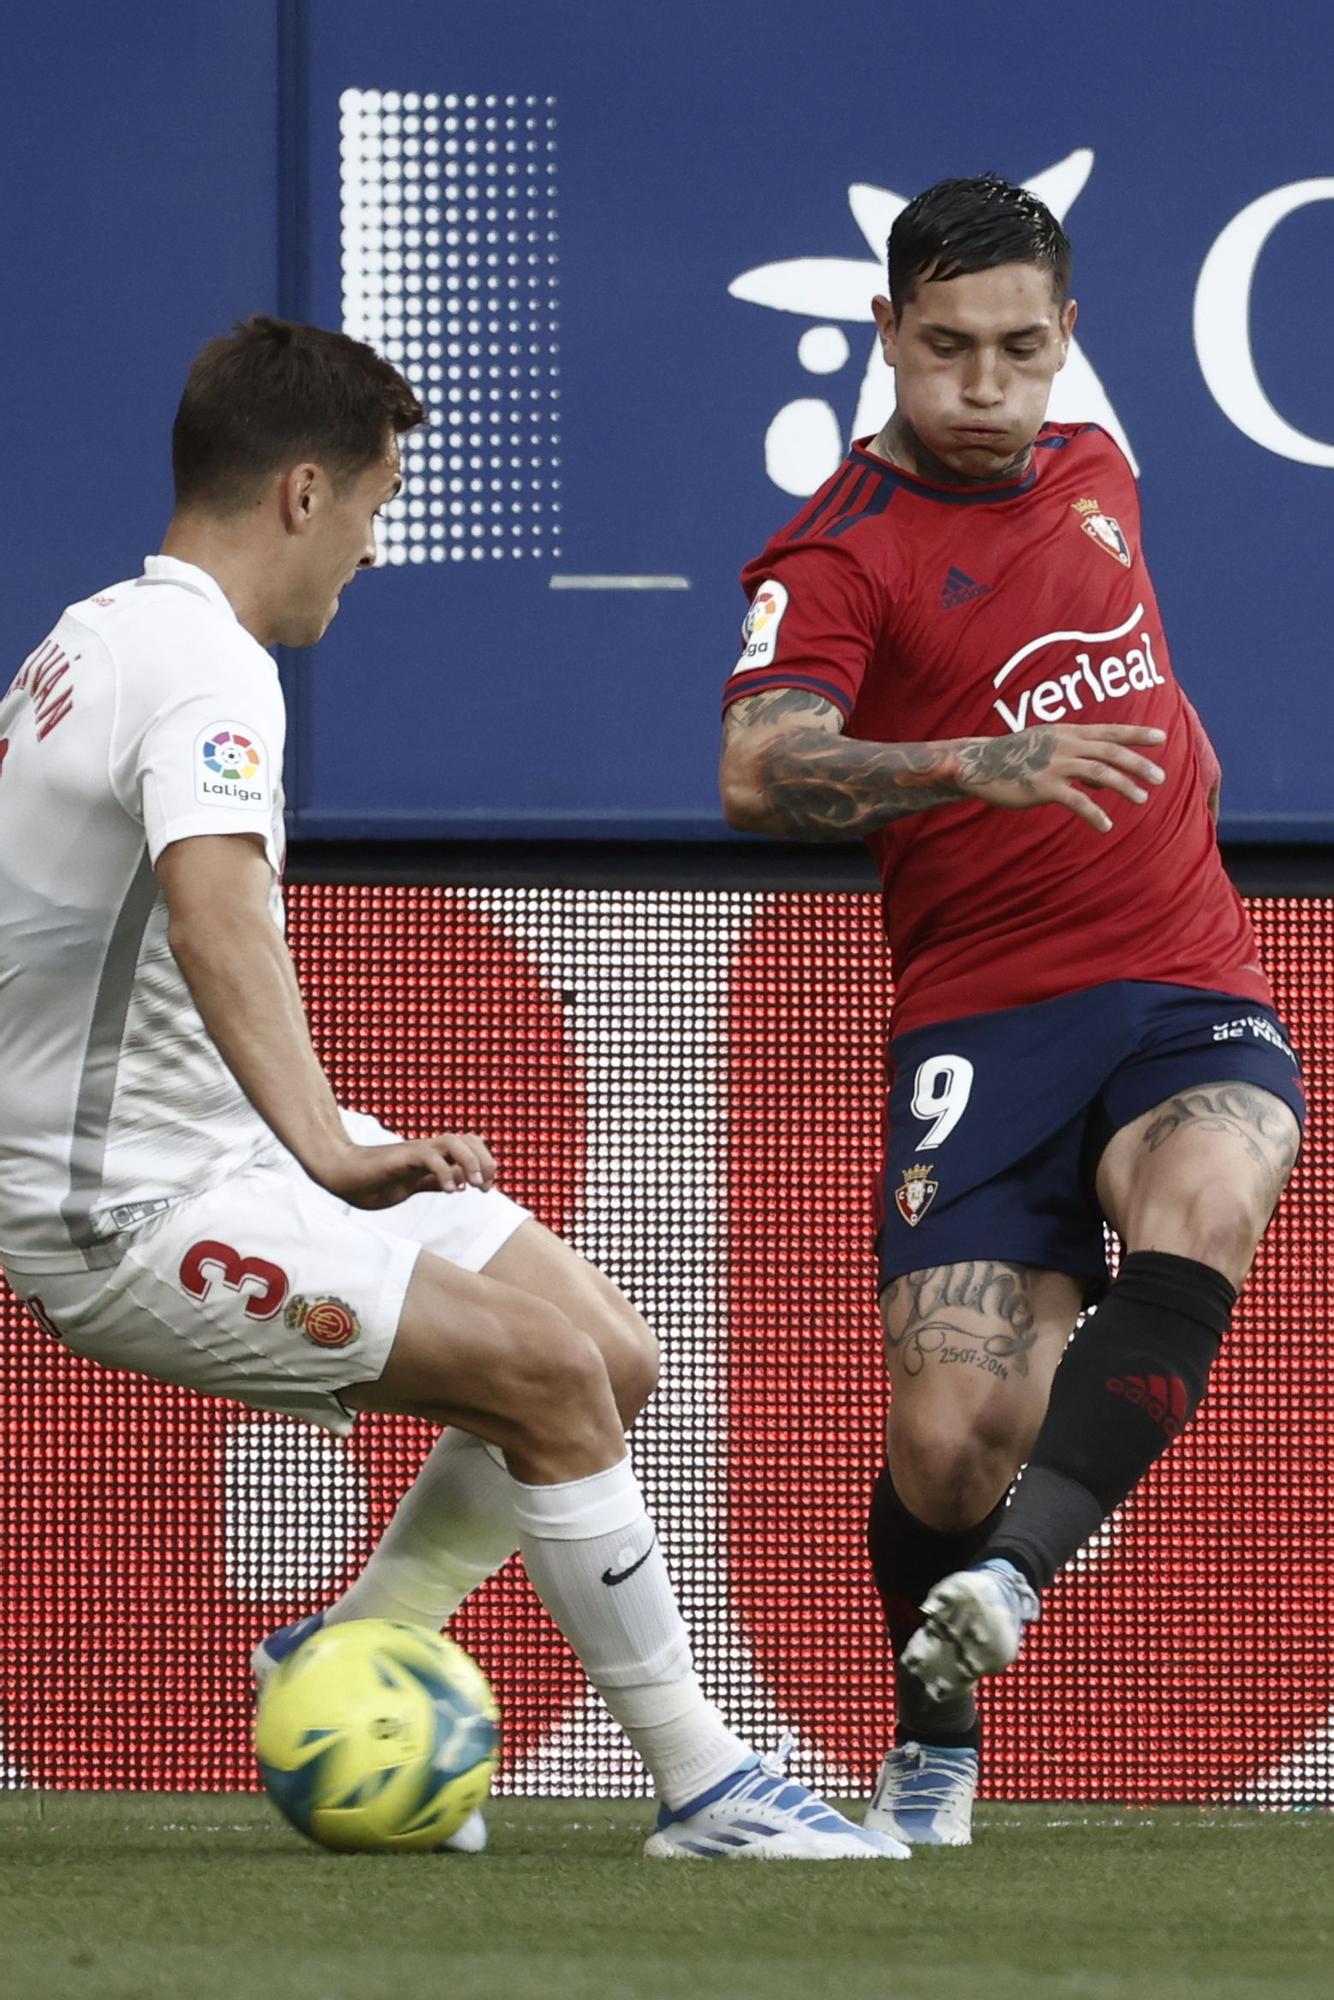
pixel 180 1194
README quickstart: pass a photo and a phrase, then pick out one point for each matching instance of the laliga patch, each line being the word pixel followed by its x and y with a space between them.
pixel 1102 529
pixel 231 767
pixel 915 1195
pixel 759 634
pixel 326 1322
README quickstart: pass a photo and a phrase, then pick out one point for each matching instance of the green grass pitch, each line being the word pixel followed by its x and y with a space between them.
pixel 131 1897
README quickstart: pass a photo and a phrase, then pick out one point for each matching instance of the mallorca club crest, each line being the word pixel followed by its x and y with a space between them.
pixel 1105 531
pixel 327 1322
pixel 915 1194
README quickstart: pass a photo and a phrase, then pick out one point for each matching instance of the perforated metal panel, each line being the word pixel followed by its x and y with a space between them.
pixel 687 1085
pixel 449 270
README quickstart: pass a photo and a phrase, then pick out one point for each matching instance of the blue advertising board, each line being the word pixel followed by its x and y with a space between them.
pixel 138 160
pixel 627 256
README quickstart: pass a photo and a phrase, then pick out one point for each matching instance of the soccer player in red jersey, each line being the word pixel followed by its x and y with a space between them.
pixel 955 650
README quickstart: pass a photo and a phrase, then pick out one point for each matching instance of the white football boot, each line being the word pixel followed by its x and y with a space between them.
pixel 924 1796
pixel 974 1625
pixel 758 1813
pixel 268 1656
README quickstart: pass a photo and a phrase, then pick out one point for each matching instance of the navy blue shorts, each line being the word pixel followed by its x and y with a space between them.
pixel 996 1123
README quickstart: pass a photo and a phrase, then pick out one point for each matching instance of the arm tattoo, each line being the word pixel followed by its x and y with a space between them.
pixel 818 784
pixel 822 787
pixel 774 706
pixel 1262 1123
pixel 926 1311
pixel 1018 758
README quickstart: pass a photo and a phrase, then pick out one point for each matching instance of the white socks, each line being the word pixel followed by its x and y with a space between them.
pixel 452 1529
pixel 592 1556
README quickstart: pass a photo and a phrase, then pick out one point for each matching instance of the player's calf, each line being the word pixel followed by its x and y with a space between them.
pixel 971 1351
pixel 908 1556
pixel 1131 1380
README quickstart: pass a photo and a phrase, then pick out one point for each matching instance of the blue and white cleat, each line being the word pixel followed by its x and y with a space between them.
pixel 924 1796
pixel 270 1653
pixel 974 1625
pixel 268 1656
pixel 760 1814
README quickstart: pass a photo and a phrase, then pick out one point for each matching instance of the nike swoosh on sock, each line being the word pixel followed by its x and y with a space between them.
pixel 614 1576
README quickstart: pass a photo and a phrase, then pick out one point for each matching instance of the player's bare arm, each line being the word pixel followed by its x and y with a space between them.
pixel 242 980
pixel 788 770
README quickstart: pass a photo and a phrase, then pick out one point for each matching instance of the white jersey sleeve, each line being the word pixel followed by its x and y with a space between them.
pixel 203 753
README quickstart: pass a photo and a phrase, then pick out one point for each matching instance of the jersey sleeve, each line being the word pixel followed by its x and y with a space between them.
pixel 813 623
pixel 205 756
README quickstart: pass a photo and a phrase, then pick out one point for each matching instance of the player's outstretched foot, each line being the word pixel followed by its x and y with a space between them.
pixel 269 1655
pixel 758 1813
pixel 974 1625
pixel 924 1796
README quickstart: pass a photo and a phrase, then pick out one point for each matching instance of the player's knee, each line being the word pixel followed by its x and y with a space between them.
pixel 559 1366
pixel 630 1350
pixel 1218 1225
pixel 952 1475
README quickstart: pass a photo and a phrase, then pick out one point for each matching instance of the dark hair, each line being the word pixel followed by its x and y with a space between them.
pixel 271 392
pixel 957 227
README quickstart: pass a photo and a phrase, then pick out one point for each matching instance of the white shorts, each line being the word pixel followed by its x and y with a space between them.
pixel 268 1289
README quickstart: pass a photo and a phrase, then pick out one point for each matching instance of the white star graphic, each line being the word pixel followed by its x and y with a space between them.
pixel 803 434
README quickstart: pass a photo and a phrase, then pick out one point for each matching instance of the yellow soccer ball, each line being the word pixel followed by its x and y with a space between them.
pixel 377 1738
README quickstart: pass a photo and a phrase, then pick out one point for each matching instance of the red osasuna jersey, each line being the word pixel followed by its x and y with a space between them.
pixel 926 611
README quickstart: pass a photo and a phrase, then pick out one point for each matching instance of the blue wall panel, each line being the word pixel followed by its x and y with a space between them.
pixel 139 177
pixel 695 150
pixel 699 145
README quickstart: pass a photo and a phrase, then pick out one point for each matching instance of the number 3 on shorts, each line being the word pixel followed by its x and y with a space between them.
pixel 940 1092
pixel 262 1285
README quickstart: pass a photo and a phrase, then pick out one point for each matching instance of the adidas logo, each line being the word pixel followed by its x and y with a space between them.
pixel 959 588
pixel 1161 1397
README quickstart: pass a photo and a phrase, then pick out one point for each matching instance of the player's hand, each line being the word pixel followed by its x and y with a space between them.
pixel 1047 767
pixel 382 1176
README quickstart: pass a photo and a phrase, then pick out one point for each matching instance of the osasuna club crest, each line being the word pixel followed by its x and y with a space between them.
pixel 915 1195
pixel 1105 531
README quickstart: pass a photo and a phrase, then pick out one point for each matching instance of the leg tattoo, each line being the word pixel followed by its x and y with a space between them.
pixel 934 1328
pixel 1261 1123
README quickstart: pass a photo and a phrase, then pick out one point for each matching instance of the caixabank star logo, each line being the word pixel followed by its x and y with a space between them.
pixel 807 438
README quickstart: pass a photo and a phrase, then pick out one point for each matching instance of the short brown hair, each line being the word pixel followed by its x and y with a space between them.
pixel 273 391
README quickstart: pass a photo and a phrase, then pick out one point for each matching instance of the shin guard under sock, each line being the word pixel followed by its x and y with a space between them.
pixel 1129 1382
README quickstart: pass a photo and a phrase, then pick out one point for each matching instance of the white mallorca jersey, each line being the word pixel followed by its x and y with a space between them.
pixel 148 716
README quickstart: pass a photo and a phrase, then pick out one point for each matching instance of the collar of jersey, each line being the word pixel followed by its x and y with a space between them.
pixel 949 496
pixel 170 569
